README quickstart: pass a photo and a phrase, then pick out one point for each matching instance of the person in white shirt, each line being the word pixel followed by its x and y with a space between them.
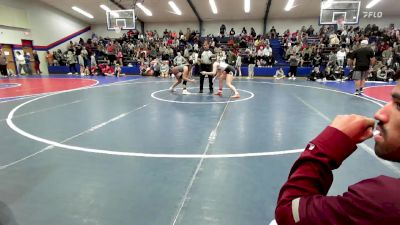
pixel 340 57
pixel 238 64
pixel 267 51
pixel 20 63
pixel 93 60
pixel 81 62
pixel 196 47
pixel 206 65
pixel 164 69
pixel 194 61
pixel 279 74
pixel 224 71
pixel 179 59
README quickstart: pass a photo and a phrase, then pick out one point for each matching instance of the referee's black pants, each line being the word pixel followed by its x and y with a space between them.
pixel 207 68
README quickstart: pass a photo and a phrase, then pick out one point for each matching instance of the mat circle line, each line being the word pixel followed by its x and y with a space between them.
pixel 153 95
pixel 151 155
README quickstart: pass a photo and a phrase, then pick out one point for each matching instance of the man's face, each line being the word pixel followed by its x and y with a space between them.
pixel 387 143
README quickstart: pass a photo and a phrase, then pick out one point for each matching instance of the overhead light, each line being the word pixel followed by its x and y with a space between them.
pixel 105 8
pixel 213 6
pixel 327 4
pixel 83 12
pixel 144 9
pixel 372 3
pixel 289 5
pixel 175 8
pixel 246 6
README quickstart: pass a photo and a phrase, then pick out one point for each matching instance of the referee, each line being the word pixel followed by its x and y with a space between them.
pixel 206 65
pixel 363 59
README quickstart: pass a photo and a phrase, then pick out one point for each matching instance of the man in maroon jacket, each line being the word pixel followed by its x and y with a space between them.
pixel 302 199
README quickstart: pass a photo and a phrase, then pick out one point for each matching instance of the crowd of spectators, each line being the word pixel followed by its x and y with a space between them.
pixel 151 50
pixel 327 49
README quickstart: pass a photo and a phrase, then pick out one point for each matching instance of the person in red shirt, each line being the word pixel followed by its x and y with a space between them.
pixel 130 33
pixel 109 71
pixel 94 70
pixel 303 198
pixel 120 56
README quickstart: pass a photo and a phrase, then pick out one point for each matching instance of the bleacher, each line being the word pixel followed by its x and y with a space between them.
pixel 130 65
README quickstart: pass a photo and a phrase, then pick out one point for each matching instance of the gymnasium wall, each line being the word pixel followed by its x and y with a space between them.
pixel 160 27
pixel 283 24
pixel 212 27
pixel 381 22
pixel 45 25
pixel 101 30
pixel 209 27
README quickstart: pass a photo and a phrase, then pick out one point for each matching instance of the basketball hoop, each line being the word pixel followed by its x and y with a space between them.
pixel 117 29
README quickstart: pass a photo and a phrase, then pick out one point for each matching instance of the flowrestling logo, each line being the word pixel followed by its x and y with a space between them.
pixel 373 14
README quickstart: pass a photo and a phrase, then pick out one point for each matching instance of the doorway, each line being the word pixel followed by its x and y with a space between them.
pixel 8 51
pixel 27 46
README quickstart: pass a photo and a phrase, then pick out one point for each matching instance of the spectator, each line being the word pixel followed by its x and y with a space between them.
pixel 164 69
pixel 293 62
pixel 332 59
pixel 317 60
pixel 334 40
pixel 3 63
pixel 252 64
pixel 93 61
pixel 71 61
pixel 387 56
pixel 120 57
pixel 341 57
pixel 37 62
pixel 310 30
pixel 364 58
pixel 222 30
pixel 244 32
pixel 118 70
pixel 50 58
pixel 232 33
pixel 303 200
pixel 85 55
pixel 316 75
pixel 27 65
pixel 238 64
pixel 253 32
pixel 267 51
pixel 279 74
pixel 81 63
pixel 179 60
pixel 273 32
pixel 194 61
pixel 383 74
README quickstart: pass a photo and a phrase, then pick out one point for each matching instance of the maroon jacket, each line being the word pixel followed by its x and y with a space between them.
pixel 303 201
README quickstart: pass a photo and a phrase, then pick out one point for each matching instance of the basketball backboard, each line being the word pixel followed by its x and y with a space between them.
pixel 332 11
pixel 124 19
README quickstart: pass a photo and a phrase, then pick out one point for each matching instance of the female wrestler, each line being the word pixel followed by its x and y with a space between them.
pixel 223 71
pixel 181 72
